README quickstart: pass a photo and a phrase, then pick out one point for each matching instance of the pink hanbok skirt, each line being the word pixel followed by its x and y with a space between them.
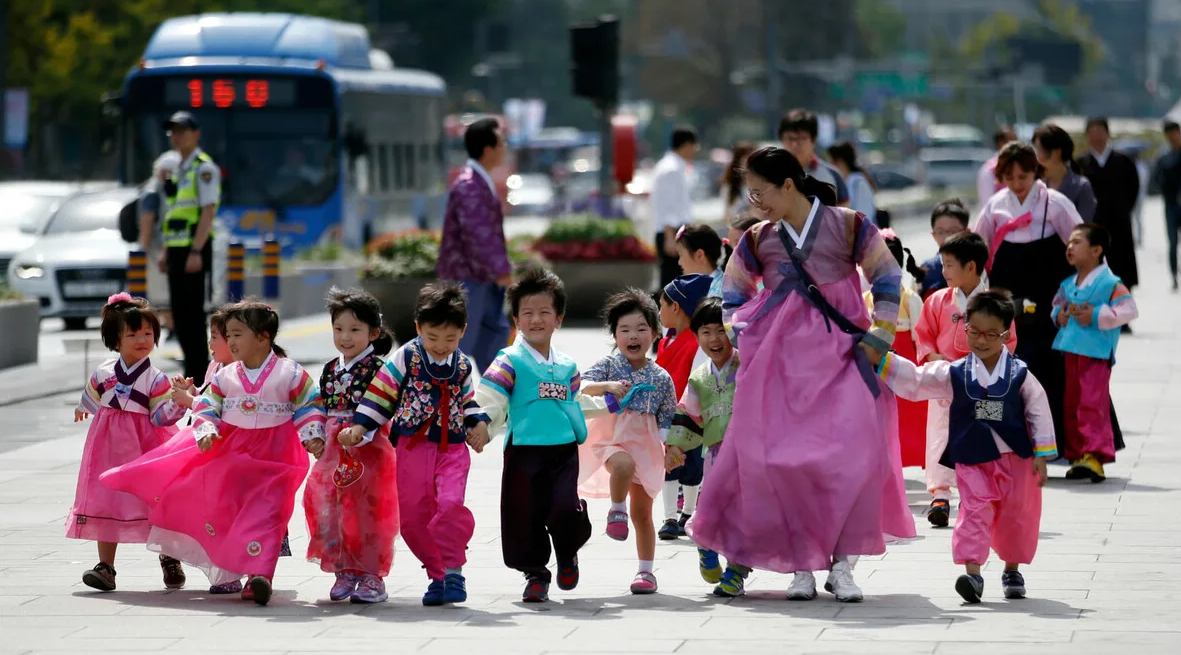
pixel 224 511
pixel 115 437
pixel 628 432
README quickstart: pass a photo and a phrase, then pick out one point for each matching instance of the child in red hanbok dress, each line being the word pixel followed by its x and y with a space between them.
pixel 351 497
pixel 133 413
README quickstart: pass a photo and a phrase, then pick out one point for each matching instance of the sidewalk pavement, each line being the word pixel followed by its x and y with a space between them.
pixel 1104 578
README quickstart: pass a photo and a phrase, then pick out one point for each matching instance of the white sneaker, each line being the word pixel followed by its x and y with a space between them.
pixel 803 587
pixel 841 579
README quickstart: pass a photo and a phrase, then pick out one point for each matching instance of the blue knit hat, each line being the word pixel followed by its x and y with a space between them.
pixel 688 291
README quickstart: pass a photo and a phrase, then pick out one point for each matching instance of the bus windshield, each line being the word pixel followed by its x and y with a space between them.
pixel 284 156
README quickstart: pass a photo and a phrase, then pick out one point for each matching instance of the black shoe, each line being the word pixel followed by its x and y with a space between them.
pixel 970 587
pixel 1126 329
pixel 670 530
pixel 1013 585
pixel 568 575
pixel 101 577
pixel 681 524
pixel 174 573
pixel 939 513
pixel 536 591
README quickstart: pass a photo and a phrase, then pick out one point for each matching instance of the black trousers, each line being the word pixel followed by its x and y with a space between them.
pixel 538 504
pixel 670 269
pixel 189 291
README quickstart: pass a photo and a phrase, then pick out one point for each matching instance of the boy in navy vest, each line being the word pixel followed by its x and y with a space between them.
pixel 1001 436
pixel 1090 308
pixel 536 390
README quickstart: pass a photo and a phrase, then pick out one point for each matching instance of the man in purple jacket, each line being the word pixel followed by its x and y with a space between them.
pixel 473 250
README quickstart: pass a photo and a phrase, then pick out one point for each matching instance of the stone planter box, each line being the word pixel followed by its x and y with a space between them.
pixel 302 291
pixel 397 299
pixel 589 284
pixel 20 323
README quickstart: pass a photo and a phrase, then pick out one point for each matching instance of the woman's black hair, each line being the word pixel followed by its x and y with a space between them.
pixel 997 303
pixel 967 247
pixel 259 317
pixel 846 152
pixel 630 301
pixel 709 312
pixel 1019 154
pixel 365 307
pixel 732 178
pixel 896 248
pixel 441 304
pixel 704 238
pixel 535 282
pixel 127 312
pixel 777 166
pixel 1051 137
pixel 954 208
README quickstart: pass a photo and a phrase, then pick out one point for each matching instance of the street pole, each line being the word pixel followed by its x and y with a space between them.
pixel 606 159
pixel 4 13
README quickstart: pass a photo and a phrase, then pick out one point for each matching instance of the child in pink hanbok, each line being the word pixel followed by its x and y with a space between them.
pixel 133 413
pixel 226 511
pixel 1001 436
pixel 351 497
pixel 623 455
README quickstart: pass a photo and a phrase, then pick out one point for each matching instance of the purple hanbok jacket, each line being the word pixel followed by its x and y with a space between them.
pixel 473 247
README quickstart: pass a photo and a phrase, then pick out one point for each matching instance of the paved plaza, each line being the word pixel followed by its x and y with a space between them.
pixel 1105 576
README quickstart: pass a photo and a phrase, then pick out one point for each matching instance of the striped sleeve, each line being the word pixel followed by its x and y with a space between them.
pixel 381 398
pixel 916 383
pixel 308 416
pixel 500 376
pixel 472 414
pixel 207 409
pixel 161 410
pixel 686 432
pixel 740 283
pixel 91 396
pixel 1119 311
pixel 885 280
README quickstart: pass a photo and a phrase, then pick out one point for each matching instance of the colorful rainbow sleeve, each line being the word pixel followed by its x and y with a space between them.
pixel 91 395
pixel 308 416
pixel 381 398
pixel 741 281
pixel 207 410
pixel 472 414
pixel 885 279
pixel 161 409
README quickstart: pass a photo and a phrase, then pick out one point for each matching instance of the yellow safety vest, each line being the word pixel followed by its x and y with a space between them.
pixel 184 212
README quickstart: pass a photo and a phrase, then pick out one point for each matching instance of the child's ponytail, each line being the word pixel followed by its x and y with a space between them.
pixel 914 269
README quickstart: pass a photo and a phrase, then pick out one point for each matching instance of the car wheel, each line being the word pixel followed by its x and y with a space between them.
pixel 75 323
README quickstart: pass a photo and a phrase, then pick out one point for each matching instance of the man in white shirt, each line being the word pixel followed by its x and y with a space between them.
pixel 669 199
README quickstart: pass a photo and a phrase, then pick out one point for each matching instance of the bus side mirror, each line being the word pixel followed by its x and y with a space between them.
pixel 355 142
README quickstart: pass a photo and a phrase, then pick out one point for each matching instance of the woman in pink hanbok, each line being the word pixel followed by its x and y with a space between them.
pixel 808 451
pixel 227 509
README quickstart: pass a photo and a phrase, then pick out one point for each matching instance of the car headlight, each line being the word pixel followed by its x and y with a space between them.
pixel 513 198
pixel 30 272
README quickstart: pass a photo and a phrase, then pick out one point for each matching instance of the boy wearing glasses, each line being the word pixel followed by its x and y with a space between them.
pixel 939 335
pixel 1001 436
pixel 1089 308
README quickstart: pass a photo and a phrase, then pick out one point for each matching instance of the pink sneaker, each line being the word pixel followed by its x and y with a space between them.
pixel 645 583
pixel 617 525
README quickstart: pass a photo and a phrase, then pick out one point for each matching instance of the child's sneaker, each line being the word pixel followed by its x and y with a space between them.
pixel 434 594
pixel 234 587
pixel 536 591
pixel 711 568
pixel 802 587
pixel 670 530
pixel 1013 585
pixel 345 585
pixel 939 513
pixel 568 574
pixel 454 588
pixel 174 573
pixel 732 584
pixel 644 583
pixel 970 587
pixel 1087 468
pixel 617 525
pixel 843 586
pixel 370 589
pixel 101 577
pixel 681 525
pixel 261 588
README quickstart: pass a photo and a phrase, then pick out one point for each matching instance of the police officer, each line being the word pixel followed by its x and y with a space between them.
pixel 193 194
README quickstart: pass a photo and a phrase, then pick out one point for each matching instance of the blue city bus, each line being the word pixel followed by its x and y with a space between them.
pixel 318 136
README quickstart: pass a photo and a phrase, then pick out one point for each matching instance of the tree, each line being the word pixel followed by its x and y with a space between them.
pixel 987 42
pixel 881 27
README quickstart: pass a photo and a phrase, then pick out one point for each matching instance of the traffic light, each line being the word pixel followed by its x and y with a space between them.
pixel 594 56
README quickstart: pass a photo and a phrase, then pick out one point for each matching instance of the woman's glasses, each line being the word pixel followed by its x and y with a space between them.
pixel 989 336
pixel 756 197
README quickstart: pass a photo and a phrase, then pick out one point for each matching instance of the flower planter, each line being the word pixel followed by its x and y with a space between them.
pixel 20 323
pixel 397 299
pixel 590 283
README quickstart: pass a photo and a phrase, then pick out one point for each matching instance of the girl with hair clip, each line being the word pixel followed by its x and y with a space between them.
pixel 226 509
pixel 133 414
pixel 807 343
pixel 351 497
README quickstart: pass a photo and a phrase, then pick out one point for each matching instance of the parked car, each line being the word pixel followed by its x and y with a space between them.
pixel 953 167
pixel 530 194
pixel 26 207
